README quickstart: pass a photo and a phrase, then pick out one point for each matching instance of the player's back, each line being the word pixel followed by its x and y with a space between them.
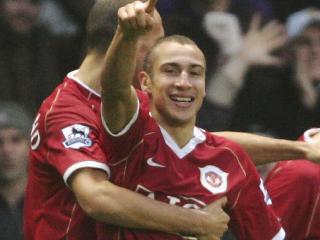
pixel 51 210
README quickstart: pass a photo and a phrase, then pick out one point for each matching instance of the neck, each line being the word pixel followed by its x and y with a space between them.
pixel 13 191
pixel 180 132
pixel 90 71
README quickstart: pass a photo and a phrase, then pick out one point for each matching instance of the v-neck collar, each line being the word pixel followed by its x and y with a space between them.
pixel 198 137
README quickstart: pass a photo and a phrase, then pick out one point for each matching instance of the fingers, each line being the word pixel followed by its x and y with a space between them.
pixel 255 22
pixel 216 205
pixel 140 14
pixel 222 201
pixel 134 17
pixel 151 6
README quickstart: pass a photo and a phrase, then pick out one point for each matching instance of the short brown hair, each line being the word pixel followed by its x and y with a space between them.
pixel 102 23
pixel 148 61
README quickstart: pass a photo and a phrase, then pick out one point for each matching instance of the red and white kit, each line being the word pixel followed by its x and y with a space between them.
pixel 144 158
pixel 66 136
pixel 294 187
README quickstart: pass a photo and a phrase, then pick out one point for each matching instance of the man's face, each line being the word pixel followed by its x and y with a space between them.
pixel 178 82
pixel 13 154
pixel 312 51
pixel 21 15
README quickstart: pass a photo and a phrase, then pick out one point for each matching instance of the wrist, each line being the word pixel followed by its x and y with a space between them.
pixel 203 222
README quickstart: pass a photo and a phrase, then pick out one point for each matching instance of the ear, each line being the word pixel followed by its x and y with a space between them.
pixel 145 82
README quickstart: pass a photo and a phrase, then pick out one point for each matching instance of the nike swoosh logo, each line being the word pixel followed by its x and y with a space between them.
pixel 152 163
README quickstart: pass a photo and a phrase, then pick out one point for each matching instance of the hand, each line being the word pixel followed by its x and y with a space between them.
pixel 313 153
pixel 259 42
pixel 224 28
pixel 303 75
pixel 137 17
pixel 219 220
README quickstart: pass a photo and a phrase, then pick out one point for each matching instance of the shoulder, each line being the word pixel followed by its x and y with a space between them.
pixel 69 104
pixel 298 171
pixel 222 142
pixel 233 152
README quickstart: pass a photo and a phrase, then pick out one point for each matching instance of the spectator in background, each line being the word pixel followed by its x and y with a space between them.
pixel 15 124
pixel 273 99
pixel 56 19
pixel 282 9
pixel 67 18
pixel 240 54
pixel 31 60
pixel 294 187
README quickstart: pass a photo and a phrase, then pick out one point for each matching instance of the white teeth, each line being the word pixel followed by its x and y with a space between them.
pixel 182 99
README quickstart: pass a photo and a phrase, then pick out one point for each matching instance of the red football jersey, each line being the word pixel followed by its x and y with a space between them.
pixel 294 187
pixel 144 158
pixel 66 136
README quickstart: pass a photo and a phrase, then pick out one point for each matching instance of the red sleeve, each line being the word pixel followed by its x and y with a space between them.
pixel 294 187
pixel 73 139
pixel 252 215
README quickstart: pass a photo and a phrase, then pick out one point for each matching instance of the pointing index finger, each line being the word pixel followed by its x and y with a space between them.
pixel 151 5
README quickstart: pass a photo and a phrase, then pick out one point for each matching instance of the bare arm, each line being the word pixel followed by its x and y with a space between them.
pixel 265 149
pixel 118 96
pixel 109 203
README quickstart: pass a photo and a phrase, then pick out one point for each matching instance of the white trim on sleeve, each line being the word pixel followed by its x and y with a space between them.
pixel 85 164
pixel 280 235
pixel 127 127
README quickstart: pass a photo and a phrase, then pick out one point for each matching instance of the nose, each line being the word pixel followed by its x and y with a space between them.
pixel 183 80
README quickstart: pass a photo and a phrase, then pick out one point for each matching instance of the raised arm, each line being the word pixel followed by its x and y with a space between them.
pixel 118 96
pixel 107 202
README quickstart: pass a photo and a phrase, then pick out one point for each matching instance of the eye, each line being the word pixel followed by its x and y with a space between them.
pixel 170 70
pixel 16 139
pixel 197 71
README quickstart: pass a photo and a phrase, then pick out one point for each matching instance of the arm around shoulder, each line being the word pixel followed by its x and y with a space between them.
pixel 264 150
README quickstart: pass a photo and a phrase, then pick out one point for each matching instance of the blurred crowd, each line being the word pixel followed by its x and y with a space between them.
pixel 263 76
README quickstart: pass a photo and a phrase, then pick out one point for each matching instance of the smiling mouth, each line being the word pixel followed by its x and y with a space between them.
pixel 182 99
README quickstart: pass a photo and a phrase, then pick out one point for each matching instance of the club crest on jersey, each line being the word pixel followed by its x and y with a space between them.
pixel 76 136
pixel 214 179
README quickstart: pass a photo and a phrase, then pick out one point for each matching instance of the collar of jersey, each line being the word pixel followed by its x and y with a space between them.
pixel 72 76
pixel 198 137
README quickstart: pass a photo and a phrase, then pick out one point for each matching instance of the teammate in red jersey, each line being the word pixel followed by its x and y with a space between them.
pixel 294 187
pixel 161 153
